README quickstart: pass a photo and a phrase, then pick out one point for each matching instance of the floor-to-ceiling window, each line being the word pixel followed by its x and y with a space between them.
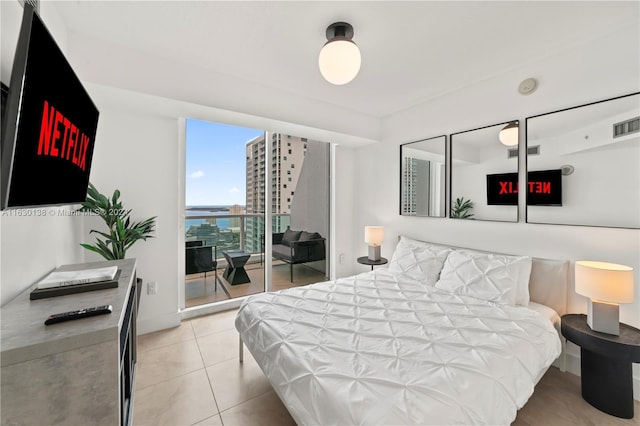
pixel 236 179
pixel 224 212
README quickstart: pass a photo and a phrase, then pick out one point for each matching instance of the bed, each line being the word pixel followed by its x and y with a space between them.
pixel 441 335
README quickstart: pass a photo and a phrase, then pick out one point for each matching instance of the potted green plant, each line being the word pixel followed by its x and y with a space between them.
pixel 121 232
pixel 461 209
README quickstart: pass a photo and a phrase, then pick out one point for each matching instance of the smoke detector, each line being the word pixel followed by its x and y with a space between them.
pixel 528 86
pixel 567 169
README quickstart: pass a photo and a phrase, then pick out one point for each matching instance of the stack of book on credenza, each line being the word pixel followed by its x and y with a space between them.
pixel 60 283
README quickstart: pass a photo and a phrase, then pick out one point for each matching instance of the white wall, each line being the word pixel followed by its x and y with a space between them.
pixel 136 152
pixel 343 200
pixel 32 241
pixel 599 70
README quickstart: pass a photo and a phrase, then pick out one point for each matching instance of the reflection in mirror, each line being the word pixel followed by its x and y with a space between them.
pixel 594 150
pixel 484 173
pixel 422 177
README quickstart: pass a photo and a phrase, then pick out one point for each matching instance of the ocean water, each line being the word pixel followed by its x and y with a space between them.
pixel 221 223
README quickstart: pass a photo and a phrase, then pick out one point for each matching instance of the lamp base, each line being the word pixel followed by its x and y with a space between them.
pixel 374 253
pixel 604 317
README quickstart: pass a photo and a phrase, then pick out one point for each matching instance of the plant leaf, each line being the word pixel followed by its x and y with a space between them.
pixel 122 232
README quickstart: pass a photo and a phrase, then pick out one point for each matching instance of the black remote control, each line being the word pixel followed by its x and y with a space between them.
pixel 80 313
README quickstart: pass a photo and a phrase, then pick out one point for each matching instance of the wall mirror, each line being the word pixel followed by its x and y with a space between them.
pixel 484 173
pixel 422 177
pixel 582 165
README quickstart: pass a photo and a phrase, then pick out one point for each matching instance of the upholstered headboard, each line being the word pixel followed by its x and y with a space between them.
pixel 549 281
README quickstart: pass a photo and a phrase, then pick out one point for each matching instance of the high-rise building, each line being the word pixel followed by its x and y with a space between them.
pixel 287 156
pixel 235 209
pixel 255 175
pixel 415 174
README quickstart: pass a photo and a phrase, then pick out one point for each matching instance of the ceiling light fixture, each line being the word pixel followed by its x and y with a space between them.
pixel 339 59
pixel 509 134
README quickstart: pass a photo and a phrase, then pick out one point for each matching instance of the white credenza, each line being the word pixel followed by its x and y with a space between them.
pixel 79 372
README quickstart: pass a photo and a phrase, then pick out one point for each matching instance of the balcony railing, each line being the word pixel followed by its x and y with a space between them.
pixel 232 231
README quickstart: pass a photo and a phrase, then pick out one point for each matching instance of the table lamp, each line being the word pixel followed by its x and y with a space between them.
pixel 606 285
pixel 374 236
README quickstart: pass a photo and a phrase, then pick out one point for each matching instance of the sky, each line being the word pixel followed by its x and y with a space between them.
pixel 216 163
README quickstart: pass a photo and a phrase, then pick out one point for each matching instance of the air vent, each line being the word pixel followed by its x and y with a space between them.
pixel 532 150
pixel 34 3
pixel 626 127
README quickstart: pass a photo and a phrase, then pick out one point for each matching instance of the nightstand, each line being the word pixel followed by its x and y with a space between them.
pixel 605 364
pixel 366 261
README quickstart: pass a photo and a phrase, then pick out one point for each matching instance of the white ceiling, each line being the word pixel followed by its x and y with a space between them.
pixel 411 51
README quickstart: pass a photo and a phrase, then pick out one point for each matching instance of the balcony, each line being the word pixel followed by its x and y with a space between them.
pixel 232 231
pixel 238 232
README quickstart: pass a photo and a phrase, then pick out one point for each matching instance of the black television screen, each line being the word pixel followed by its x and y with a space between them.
pixel 50 124
pixel 502 189
pixel 544 188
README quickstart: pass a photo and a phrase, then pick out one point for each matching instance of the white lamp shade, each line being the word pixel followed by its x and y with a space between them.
pixel 509 135
pixel 373 235
pixel 602 281
pixel 339 61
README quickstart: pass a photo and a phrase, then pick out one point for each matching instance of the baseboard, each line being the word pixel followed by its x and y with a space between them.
pixel 572 365
pixel 157 323
pixel 224 305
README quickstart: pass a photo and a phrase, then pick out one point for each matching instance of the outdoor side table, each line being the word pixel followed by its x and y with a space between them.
pixel 235 273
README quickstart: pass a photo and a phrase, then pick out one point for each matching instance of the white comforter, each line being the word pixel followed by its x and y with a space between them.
pixel 380 349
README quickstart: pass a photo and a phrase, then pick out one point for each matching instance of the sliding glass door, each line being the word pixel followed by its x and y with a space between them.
pixel 224 212
pixel 234 176
pixel 300 210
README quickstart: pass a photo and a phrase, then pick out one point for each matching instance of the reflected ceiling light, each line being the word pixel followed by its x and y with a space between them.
pixel 509 134
pixel 339 59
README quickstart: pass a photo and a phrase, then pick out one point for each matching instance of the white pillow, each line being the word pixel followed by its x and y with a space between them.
pixel 522 292
pixel 418 259
pixel 487 276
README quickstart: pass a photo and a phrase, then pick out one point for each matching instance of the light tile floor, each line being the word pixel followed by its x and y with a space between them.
pixel 191 375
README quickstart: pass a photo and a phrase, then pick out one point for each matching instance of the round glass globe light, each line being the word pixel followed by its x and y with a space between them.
pixel 509 135
pixel 339 61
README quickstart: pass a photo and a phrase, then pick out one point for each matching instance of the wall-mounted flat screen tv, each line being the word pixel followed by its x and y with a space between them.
pixel 502 189
pixel 49 127
pixel 544 188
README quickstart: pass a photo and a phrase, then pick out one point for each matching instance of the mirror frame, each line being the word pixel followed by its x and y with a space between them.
pixel 526 163
pixel 450 165
pixel 444 183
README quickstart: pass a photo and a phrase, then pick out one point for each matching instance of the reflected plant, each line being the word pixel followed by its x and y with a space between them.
pixel 461 209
